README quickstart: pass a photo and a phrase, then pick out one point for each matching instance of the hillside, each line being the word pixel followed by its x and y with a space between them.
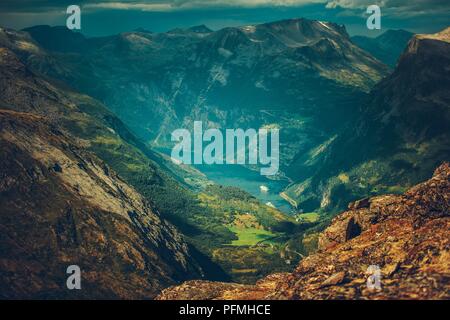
pixel 205 227
pixel 387 47
pixel 304 76
pixel 406 236
pixel 61 205
pixel 401 135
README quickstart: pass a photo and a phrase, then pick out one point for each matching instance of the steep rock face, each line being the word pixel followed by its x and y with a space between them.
pixel 93 126
pixel 61 206
pixel 403 133
pixel 405 236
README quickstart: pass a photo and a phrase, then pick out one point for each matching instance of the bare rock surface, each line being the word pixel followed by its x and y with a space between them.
pixel 60 206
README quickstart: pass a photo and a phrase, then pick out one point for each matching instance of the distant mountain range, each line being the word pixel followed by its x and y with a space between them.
pixel 387 47
pixel 302 75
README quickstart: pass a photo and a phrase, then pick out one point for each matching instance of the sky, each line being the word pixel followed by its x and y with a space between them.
pixel 107 17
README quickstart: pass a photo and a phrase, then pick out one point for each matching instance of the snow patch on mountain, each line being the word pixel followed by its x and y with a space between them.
pixel 324 25
pixel 249 29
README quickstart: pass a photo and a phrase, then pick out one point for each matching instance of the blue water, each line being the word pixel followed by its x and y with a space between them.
pixel 250 181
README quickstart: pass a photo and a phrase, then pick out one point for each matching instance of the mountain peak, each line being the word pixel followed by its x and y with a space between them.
pixel 53 30
pixel 291 33
pixel 435 44
pixel 395 35
pixel 57 38
pixel 443 35
pixel 200 29
pixel 142 30
pixel 306 26
pixel 387 47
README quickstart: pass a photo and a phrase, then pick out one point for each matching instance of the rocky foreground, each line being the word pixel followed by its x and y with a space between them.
pixel 406 236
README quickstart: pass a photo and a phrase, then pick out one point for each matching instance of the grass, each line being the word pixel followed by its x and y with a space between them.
pixel 249 236
pixel 309 217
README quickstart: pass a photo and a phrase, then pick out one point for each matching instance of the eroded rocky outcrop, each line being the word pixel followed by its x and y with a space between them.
pixel 405 236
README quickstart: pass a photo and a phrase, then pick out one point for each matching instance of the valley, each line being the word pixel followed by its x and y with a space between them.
pixel 405 236
pixel 87 125
pixel 220 225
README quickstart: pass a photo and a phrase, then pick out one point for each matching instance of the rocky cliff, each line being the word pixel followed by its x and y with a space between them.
pixel 405 236
pixel 60 205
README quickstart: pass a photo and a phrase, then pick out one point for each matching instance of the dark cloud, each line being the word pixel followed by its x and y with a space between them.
pixel 400 6
pixel 397 7
pixel 101 17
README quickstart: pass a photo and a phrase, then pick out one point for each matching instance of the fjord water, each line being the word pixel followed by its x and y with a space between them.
pixel 250 181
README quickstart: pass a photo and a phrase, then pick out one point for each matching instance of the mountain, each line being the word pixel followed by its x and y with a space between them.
pixel 86 119
pixel 405 237
pixel 387 47
pixel 200 29
pixel 62 39
pixel 61 206
pixel 400 136
pixel 79 117
pixel 304 76
pixel 222 226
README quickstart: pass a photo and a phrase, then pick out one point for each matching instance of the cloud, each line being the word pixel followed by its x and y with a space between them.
pixel 129 6
pixel 166 5
pixel 407 8
pixel 353 4
pixel 391 7
pixel 145 5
